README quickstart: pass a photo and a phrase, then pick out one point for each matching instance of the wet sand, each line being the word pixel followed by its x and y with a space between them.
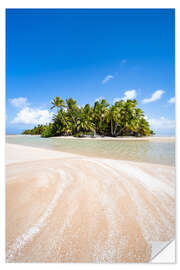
pixel 67 208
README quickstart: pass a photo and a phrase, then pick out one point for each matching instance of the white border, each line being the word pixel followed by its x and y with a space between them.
pixel 2 131
pixel 89 4
pixel 74 4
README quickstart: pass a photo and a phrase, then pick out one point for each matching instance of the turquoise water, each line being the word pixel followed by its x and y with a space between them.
pixel 141 151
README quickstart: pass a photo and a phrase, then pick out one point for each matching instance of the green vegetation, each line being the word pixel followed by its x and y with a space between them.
pixel 35 131
pixel 120 119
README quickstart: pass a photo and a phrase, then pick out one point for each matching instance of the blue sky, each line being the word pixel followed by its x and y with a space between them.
pixel 88 54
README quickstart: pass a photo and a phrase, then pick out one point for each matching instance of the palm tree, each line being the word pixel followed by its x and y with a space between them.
pixel 127 115
pixel 60 105
pixel 72 107
pixel 84 124
pixel 100 111
pixel 119 119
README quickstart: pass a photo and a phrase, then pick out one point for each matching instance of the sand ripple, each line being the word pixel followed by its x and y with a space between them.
pixel 87 210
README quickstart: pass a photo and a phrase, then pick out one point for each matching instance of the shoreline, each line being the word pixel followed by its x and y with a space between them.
pixel 34 153
pixel 106 138
pixel 125 207
pixel 59 154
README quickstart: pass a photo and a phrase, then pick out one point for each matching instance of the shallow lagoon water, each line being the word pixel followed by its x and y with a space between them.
pixel 141 151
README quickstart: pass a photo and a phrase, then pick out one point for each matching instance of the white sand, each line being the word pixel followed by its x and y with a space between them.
pixel 68 208
pixel 105 138
pixel 18 153
pixel 124 138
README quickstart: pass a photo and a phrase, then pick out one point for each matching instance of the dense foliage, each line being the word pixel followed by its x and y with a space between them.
pixel 120 119
pixel 35 131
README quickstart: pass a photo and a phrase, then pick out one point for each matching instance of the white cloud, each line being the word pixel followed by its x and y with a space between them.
pixel 116 99
pixel 155 96
pixel 19 102
pixel 171 100
pixel 129 94
pixel 34 116
pixel 107 78
pixel 99 99
pixel 161 123
pixel 145 117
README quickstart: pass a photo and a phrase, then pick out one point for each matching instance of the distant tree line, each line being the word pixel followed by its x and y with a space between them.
pixel 37 130
pixel 120 119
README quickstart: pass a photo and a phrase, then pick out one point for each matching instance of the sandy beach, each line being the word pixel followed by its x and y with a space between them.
pixel 63 207
pixel 107 138
pixel 124 138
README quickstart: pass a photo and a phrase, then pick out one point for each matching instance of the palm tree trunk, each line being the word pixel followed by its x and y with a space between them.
pixel 63 119
pixel 120 131
pixel 116 125
pixel 72 116
pixel 111 127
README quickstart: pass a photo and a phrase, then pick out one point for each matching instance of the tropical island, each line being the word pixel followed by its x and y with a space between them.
pixel 123 118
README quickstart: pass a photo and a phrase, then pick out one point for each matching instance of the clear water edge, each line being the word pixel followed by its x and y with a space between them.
pixel 141 151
